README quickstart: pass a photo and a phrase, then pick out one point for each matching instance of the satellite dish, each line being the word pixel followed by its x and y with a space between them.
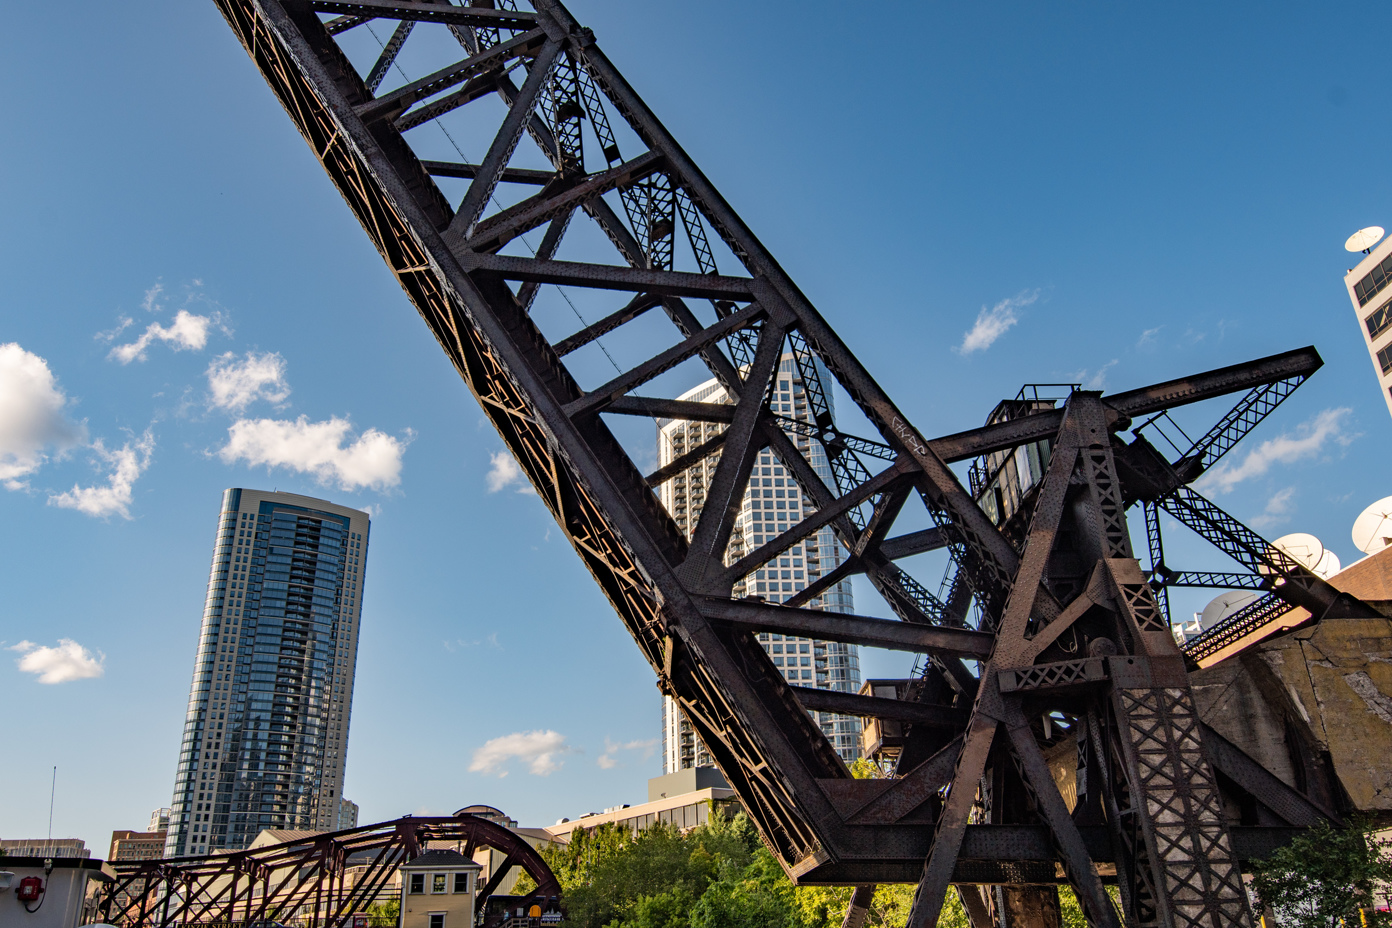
pixel 1372 530
pixel 1310 552
pixel 1364 239
pixel 1224 605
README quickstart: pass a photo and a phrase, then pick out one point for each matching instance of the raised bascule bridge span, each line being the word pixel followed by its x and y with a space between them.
pixel 1048 638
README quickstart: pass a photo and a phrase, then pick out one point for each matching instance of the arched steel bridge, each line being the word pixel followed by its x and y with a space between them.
pixel 319 881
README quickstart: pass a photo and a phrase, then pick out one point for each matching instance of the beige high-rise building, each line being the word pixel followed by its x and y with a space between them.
pixel 266 734
pixel 772 503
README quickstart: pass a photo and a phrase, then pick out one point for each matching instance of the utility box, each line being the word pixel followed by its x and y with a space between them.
pixel 45 892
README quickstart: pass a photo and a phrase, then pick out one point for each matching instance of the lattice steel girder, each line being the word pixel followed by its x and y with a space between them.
pixel 428 13
pixel 1291 582
pixel 284 880
pixel 682 590
pixel 1131 404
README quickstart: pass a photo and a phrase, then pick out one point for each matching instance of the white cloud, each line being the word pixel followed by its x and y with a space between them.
pixel 537 749
pixel 151 302
pixel 31 415
pixel 506 472
pixel 186 333
pixel 68 661
pixel 125 323
pixel 235 384
pixel 1309 440
pixel 326 450
pixel 125 465
pixel 1098 381
pixel 992 323
pixel 1148 337
pixel 607 760
pixel 1277 509
pixel 491 641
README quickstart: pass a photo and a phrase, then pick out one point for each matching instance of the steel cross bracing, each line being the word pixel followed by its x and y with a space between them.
pixel 1054 585
pixel 320 881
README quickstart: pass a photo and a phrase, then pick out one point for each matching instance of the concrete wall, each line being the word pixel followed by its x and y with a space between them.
pixel 1316 697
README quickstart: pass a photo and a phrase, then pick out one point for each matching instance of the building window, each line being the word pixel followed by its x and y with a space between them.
pixel 1380 320
pixel 1385 359
pixel 461 882
pixel 417 883
pixel 437 920
pixel 1373 284
pixel 437 883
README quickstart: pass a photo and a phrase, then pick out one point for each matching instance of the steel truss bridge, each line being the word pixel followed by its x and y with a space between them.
pixel 1047 629
pixel 318 881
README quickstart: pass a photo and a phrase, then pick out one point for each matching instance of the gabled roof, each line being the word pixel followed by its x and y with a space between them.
pixel 441 860
pixel 269 836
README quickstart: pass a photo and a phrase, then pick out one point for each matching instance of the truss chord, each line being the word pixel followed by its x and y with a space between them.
pixel 1218 580
pixel 1243 622
pixel 1159 577
pixel 1243 417
pixel 1291 581
pixel 364 10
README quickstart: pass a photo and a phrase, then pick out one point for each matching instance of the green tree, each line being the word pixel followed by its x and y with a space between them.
pixel 384 914
pixel 611 876
pixel 1324 876
pixel 825 906
pixel 758 896
pixel 671 909
pixel 715 876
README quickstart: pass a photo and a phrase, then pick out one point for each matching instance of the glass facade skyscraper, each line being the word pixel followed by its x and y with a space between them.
pixel 266 733
pixel 772 503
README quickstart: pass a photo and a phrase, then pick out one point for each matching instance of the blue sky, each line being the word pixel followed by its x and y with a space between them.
pixel 1145 192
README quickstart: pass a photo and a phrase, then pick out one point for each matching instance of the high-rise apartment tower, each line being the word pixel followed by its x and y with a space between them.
pixel 772 502
pixel 266 732
pixel 1369 286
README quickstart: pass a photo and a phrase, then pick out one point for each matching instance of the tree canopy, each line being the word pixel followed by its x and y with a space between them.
pixel 716 876
pixel 1326 875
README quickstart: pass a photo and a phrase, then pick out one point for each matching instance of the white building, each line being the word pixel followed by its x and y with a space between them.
pixel 772 503
pixel 1369 286
pixel 266 733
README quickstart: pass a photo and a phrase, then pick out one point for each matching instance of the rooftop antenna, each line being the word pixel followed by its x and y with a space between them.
pixel 1310 552
pixel 1372 530
pixel 1364 239
pixel 52 790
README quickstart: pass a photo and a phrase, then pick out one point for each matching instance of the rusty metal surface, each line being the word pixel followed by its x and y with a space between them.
pixel 321 881
pixel 1041 597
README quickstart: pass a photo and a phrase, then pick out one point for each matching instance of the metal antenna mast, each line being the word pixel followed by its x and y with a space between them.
pixel 1069 643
